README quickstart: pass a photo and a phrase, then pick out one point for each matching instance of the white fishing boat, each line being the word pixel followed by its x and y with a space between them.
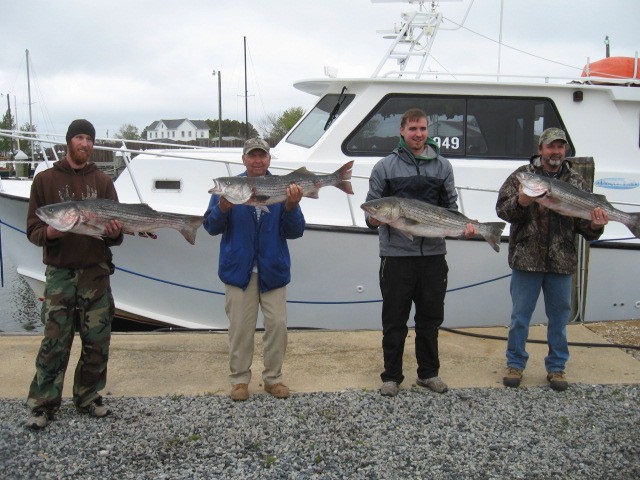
pixel 487 127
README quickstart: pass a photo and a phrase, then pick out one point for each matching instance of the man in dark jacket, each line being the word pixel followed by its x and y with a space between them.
pixel 542 256
pixel 78 292
pixel 255 266
pixel 413 271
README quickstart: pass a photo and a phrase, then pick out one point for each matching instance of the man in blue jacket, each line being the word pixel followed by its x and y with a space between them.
pixel 255 267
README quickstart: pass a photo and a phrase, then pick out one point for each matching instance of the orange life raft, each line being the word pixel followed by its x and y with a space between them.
pixel 613 67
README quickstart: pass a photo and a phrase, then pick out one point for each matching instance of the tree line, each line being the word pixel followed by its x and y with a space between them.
pixel 273 127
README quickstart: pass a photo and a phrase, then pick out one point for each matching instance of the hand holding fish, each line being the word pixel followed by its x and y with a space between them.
pixel 52 233
pixel 470 230
pixel 599 218
pixel 294 195
pixel 112 229
pixel 225 205
pixel 524 200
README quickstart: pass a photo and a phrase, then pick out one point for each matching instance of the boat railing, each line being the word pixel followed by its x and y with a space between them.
pixel 439 75
pixel 127 153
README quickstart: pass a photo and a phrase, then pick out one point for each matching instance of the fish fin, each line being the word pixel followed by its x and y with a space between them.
pixel 602 198
pixel 189 233
pixel 344 172
pixel 264 208
pixel 635 227
pixel 191 228
pixel 261 198
pixel 345 186
pixel 494 234
pixel 411 222
pixel 234 200
pixel 146 206
pixel 312 194
pixel 300 171
pixel 406 234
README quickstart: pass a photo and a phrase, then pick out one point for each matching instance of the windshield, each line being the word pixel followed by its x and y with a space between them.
pixel 307 133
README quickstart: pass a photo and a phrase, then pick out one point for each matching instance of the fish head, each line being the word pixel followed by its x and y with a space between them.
pixel 533 185
pixel 385 210
pixel 235 189
pixel 61 216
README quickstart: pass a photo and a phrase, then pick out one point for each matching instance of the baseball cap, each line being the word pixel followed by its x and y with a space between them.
pixel 551 134
pixel 254 143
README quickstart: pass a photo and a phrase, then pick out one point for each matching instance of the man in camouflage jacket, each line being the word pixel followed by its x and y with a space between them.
pixel 543 256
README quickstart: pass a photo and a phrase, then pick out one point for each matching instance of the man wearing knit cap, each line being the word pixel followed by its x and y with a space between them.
pixel 77 292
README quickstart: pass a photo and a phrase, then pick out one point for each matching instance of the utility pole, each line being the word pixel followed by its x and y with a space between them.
pixel 219 73
pixel 10 119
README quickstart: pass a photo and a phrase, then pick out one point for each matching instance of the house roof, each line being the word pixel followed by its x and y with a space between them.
pixel 173 124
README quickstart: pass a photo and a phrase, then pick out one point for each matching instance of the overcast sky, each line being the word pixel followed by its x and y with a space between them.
pixel 136 61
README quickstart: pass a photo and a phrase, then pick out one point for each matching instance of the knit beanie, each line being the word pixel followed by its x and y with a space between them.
pixel 81 126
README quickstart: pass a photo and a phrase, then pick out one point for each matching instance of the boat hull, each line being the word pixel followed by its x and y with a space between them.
pixel 334 283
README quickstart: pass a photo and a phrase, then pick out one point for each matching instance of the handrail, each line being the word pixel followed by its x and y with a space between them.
pixel 126 153
pixel 490 77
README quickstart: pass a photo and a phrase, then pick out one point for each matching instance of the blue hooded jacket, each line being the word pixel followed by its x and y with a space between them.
pixel 247 240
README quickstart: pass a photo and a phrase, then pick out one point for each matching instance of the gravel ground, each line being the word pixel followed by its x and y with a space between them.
pixel 586 432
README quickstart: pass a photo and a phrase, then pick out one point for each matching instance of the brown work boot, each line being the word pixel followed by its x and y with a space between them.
pixel 278 390
pixel 557 381
pixel 38 420
pixel 239 392
pixel 512 378
pixel 95 409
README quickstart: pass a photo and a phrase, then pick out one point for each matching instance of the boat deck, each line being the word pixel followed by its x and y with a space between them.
pixel 160 364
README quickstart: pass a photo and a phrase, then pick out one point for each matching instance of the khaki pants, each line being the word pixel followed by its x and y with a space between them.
pixel 242 310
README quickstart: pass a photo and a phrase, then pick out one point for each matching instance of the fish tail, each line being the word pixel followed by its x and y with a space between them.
pixel 635 226
pixel 344 172
pixel 191 228
pixel 492 233
pixel 344 175
pixel 345 186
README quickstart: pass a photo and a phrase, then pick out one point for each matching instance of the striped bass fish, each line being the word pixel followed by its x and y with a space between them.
pixel 269 189
pixel 88 217
pixel 415 217
pixel 571 201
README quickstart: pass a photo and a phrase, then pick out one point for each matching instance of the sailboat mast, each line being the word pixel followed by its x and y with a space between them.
pixel 246 94
pixel 29 95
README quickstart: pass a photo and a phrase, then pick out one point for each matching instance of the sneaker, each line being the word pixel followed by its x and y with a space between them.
pixel 389 389
pixel 38 420
pixel 434 383
pixel 513 377
pixel 557 381
pixel 239 392
pixel 278 390
pixel 95 409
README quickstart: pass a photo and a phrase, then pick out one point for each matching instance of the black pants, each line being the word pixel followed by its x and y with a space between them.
pixel 423 281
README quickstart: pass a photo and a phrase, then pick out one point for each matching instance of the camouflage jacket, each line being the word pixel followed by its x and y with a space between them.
pixel 540 239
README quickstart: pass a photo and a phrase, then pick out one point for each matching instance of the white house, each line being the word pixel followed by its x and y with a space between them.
pixel 181 130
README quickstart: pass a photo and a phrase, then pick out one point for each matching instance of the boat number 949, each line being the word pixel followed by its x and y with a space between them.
pixel 449 143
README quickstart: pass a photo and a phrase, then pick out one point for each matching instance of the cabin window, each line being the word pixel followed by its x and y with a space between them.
pixel 463 126
pixel 307 133
pixel 168 185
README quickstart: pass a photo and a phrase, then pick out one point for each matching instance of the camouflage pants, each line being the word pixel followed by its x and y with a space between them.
pixel 74 299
